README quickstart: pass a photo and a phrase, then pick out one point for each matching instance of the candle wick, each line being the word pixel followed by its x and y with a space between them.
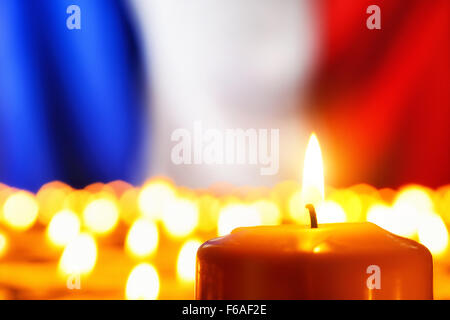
pixel 312 215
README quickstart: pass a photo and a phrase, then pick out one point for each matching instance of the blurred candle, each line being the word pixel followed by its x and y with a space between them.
pixel 142 283
pixel 64 227
pixel 186 260
pixel 79 256
pixel 142 238
pixel 20 211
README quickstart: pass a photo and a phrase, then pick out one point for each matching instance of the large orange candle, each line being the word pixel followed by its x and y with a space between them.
pixel 333 261
pixel 318 261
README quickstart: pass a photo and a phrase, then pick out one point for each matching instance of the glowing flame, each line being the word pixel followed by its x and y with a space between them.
pixel 63 228
pixel 101 216
pixel 312 191
pixel 79 256
pixel 142 283
pixel 313 181
pixel 186 260
pixel 20 211
pixel 142 239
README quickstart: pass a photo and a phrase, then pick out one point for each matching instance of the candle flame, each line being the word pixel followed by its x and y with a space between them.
pixel 313 180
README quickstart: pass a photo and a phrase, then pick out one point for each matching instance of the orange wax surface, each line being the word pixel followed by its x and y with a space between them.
pixel 328 262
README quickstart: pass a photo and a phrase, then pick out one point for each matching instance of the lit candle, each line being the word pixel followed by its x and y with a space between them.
pixel 318 261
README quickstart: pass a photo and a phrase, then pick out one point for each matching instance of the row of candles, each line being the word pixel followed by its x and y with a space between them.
pixel 78 224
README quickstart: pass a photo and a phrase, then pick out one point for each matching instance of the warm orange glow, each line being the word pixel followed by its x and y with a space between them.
pixel 402 223
pixel 79 256
pixel 63 228
pixel 128 205
pixel 142 283
pixel 233 216
pixel 350 202
pixel 268 211
pixel 296 208
pixel 51 198
pixel 154 198
pixel 186 260
pixel 209 207
pixel 330 212
pixel 142 238
pixel 160 226
pixel 77 200
pixel 101 216
pixel 20 211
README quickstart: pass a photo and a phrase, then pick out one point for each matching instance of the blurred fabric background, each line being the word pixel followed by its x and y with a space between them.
pixel 381 98
pixel 99 104
pixel 71 102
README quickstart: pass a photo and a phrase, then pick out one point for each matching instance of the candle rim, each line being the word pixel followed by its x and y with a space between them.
pixel 358 238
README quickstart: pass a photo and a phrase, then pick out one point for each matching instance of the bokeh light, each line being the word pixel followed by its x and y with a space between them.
pixel 101 216
pixel 209 207
pixel 186 260
pixel 20 211
pixel 237 215
pixel 154 197
pixel 330 212
pixel 180 217
pixel 64 227
pixel 297 210
pixel 128 205
pixel 79 256
pixel 77 200
pixel 142 238
pixel 268 211
pixel 51 198
pixel 350 202
pixel 142 283
pixel 410 206
pixel 172 231
pixel 433 234
pixel 413 198
pixel 379 214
